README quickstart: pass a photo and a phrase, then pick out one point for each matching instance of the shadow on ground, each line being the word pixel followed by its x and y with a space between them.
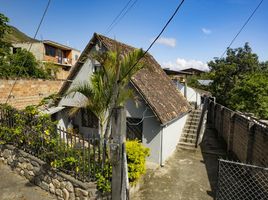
pixel 212 148
pixel 187 175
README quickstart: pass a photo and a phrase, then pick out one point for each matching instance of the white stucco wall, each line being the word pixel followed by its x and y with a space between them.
pixel 77 100
pixel 192 95
pixel 82 76
pixel 171 136
pixel 151 128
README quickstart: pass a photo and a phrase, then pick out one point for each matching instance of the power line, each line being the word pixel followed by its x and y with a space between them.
pixel 36 32
pixel 242 28
pixel 119 18
pixel 163 29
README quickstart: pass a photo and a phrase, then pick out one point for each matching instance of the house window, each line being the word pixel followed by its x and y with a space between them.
pixel 89 119
pixel 76 57
pixel 50 51
pixel 16 49
pixel 134 128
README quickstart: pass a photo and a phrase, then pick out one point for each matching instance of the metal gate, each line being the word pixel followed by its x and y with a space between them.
pixel 240 181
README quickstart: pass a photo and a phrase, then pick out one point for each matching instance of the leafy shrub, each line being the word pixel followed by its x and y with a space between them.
pixel 104 179
pixel 25 63
pixel 136 157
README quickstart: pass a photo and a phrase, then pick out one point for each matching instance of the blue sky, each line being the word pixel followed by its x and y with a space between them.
pixel 199 32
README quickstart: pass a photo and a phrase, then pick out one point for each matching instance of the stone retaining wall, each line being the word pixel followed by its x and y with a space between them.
pixel 40 173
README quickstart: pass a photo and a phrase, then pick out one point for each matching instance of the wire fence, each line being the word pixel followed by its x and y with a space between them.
pixel 83 158
pixel 241 181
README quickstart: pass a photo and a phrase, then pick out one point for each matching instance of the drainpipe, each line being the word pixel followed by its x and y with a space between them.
pixel 185 87
pixel 161 147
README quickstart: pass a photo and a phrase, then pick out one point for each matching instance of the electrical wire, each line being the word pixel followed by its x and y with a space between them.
pixel 163 29
pixel 242 28
pixel 119 14
pixel 128 9
pixel 36 32
pixel 142 119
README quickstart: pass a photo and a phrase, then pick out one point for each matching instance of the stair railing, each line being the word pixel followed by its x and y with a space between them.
pixel 201 120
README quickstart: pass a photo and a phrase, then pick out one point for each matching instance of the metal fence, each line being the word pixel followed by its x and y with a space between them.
pixel 80 157
pixel 241 181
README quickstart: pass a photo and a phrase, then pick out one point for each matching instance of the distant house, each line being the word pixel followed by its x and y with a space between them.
pixel 157 121
pixel 48 51
pixel 205 82
pixel 177 75
pixel 193 71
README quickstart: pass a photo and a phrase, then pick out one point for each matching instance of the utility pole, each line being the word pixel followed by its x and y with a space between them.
pixel 117 152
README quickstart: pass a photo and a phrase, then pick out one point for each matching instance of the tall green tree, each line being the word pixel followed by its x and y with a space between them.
pixel 4 29
pixel 226 72
pixel 22 64
pixel 251 94
pixel 98 91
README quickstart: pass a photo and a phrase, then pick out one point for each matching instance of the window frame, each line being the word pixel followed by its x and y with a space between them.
pixel 89 119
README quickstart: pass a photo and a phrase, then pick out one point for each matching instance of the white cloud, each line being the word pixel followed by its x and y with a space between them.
pixel 181 64
pixel 170 42
pixel 206 31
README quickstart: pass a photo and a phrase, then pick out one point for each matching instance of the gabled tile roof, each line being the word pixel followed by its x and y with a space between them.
pixel 152 83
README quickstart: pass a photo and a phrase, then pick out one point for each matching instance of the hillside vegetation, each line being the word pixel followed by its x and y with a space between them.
pixel 15 35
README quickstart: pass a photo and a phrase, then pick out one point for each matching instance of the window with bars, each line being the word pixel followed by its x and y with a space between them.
pixel 134 128
pixel 89 119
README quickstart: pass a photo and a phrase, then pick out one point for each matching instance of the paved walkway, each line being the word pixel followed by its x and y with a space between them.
pixel 186 175
pixel 15 187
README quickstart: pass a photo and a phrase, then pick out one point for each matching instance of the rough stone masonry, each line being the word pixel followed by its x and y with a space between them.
pixel 40 173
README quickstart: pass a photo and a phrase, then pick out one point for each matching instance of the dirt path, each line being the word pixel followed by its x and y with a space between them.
pixel 15 187
pixel 186 175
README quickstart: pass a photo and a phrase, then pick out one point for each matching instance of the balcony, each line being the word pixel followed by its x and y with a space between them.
pixel 58 60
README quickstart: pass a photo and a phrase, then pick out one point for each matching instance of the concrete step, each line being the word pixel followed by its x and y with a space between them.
pixel 192 149
pixel 192 123
pixel 195 115
pixel 197 111
pixel 192 126
pixel 189 135
pixel 189 131
pixel 188 140
pixel 186 146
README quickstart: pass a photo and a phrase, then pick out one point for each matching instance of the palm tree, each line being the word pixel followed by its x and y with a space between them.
pixel 99 92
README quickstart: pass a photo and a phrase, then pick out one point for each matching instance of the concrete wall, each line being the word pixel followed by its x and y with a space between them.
pixel 246 139
pixel 27 91
pixel 192 95
pixel 151 128
pixel 37 49
pixel 74 53
pixel 171 136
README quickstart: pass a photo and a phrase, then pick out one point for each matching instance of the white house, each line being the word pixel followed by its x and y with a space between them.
pixel 160 116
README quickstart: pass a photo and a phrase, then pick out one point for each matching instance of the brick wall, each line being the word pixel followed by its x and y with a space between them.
pixel 247 139
pixel 27 91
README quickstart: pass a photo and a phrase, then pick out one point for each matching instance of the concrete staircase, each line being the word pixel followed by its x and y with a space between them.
pixel 188 137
